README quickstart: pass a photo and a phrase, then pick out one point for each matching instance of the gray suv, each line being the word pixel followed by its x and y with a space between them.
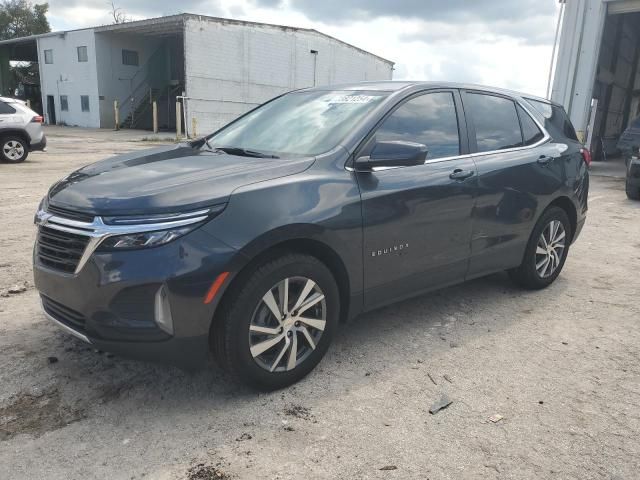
pixel 254 242
pixel 20 130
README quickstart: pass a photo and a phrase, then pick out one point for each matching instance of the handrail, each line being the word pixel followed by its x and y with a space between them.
pixel 126 102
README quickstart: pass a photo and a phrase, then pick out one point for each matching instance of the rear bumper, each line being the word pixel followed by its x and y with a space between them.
pixel 579 228
pixel 39 145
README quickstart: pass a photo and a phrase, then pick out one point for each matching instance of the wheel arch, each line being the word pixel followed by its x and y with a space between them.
pixel 302 245
pixel 568 206
pixel 15 133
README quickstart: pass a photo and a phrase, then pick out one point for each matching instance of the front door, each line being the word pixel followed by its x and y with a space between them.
pixel 417 220
pixel 51 109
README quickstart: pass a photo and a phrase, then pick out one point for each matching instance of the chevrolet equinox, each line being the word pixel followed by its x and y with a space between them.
pixel 255 242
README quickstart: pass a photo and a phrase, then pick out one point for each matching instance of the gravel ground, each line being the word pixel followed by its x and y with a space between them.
pixel 543 384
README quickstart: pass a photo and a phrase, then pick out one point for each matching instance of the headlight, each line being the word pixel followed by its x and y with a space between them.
pixel 144 239
pixel 42 206
pixel 135 232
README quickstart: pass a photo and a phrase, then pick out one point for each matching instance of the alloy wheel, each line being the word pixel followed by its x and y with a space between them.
pixel 550 249
pixel 13 150
pixel 287 324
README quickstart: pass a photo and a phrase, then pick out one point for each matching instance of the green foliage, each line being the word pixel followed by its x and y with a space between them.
pixel 20 18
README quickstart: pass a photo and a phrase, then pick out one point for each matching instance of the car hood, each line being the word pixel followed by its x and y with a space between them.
pixel 164 180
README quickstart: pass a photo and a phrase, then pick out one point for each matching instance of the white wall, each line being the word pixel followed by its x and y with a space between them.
pixel 67 76
pixel 115 80
pixel 578 53
pixel 577 62
pixel 231 68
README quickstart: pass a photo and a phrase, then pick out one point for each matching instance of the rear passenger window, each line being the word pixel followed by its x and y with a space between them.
pixel 430 119
pixel 4 108
pixel 496 122
pixel 531 133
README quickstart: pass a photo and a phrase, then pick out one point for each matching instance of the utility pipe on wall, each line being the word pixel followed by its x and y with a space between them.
pixel 315 66
pixel 555 47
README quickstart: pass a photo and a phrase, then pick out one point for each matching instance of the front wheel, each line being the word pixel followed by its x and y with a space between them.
pixel 546 251
pixel 276 327
pixel 14 150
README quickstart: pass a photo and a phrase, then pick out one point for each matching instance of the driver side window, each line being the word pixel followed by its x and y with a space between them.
pixel 429 119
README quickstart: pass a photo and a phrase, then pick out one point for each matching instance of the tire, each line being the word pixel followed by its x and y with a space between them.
pixel 531 274
pixel 14 149
pixel 238 340
pixel 633 193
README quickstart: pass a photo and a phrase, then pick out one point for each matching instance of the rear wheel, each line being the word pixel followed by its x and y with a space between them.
pixel 14 150
pixel 275 328
pixel 546 251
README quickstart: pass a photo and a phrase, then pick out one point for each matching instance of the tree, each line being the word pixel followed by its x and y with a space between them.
pixel 118 14
pixel 20 18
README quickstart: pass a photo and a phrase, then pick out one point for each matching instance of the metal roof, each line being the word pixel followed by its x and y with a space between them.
pixel 174 24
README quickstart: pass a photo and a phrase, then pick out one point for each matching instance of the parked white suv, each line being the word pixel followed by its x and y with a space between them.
pixel 20 130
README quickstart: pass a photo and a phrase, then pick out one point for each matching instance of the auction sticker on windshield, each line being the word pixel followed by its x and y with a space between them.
pixel 351 99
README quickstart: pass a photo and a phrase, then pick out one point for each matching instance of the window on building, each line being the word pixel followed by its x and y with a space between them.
pixel 48 56
pixel 430 119
pixel 84 103
pixel 6 108
pixel 130 57
pixel 496 122
pixel 64 103
pixel 531 133
pixel 82 54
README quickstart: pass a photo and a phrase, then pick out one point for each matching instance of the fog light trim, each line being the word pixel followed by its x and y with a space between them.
pixel 162 311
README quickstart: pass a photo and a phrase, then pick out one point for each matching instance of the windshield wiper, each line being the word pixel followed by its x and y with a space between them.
pixel 243 152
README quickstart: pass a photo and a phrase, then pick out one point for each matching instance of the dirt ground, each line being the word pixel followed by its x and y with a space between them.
pixel 543 384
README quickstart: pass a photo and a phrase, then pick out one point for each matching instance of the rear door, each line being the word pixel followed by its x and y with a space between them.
pixel 417 226
pixel 519 170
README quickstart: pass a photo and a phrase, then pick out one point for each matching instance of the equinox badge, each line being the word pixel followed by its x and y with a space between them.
pixel 387 251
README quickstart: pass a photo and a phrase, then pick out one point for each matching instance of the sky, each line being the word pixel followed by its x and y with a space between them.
pixel 501 43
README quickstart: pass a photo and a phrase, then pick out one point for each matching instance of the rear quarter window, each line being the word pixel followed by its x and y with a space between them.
pixel 6 108
pixel 531 134
pixel 556 116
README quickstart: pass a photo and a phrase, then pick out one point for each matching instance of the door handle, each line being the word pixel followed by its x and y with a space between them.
pixel 459 174
pixel 545 160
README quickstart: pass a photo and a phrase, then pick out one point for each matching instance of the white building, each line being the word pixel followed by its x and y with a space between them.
pixel 225 67
pixel 597 77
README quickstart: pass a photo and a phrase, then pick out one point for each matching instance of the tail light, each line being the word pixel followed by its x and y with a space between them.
pixel 586 155
pixel 38 119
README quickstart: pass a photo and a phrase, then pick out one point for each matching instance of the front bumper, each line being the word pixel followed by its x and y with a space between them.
pixel 111 302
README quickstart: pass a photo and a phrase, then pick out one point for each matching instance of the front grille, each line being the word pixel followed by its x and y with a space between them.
pixel 65 315
pixel 70 214
pixel 60 250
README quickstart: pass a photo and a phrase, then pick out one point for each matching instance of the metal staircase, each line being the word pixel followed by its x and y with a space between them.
pixel 151 82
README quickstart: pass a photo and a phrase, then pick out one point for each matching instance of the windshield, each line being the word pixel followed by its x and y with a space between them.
pixel 298 124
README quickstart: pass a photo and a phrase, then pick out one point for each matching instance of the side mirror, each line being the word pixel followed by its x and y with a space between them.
pixel 393 154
